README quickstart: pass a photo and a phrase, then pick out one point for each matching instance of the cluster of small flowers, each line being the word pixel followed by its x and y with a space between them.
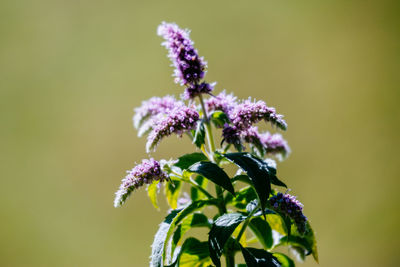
pixel 189 67
pixel 178 121
pixel 248 112
pixel 145 173
pixel 266 142
pixel 154 106
pixel 290 207
pixel 222 102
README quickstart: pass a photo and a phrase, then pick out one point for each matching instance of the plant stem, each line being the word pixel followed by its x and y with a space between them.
pixel 246 223
pixel 194 184
pixel 229 256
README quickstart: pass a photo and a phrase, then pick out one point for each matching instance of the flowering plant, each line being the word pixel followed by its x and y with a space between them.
pixel 248 209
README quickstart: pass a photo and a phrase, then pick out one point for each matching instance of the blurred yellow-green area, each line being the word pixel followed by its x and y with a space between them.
pixel 71 73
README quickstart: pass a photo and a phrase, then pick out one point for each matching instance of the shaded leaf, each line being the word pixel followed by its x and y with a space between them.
pixel 168 225
pixel 258 257
pixel 152 190
pixel 214 173
pixel 240 200
pixel 187 160
pixel 220 232
pixel 262 231
pixel 199 135
pixel 257 172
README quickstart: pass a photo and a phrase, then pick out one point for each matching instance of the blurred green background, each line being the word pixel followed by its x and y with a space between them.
pixel 72 71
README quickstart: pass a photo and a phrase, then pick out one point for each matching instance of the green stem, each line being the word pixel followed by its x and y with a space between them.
pixel 229 256
pixel 246 223
pixel 194 184
pixel 210 137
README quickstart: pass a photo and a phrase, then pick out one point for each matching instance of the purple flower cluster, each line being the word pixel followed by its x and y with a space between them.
pixel 145 173
pixel 290 207
pixel 222 102
pixel 266 142
pixel 232 136
pixel 178 121
pixel 189 67
pixel 248 112
pixel 194 90
pixel 154 106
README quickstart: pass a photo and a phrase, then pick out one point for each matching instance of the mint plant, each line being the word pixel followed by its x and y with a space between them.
pixel 250 216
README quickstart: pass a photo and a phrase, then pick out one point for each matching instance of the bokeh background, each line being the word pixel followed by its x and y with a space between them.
pixel 72 71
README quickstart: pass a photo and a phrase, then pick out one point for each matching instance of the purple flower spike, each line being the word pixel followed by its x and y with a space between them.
pixel 178 121
pixel 275 144
pixel 154 106
pixel 290 207
pixel 247 113
pixel 222 102
pixel 189 67
pixel 145 173
pixel 197 89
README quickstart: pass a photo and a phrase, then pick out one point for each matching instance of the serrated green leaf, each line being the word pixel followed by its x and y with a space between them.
pixel 220 232
pixel 258 257
pixel 199 135
pixel 257 172
pixel 152 190
pixel 196 194
pixel 167 227
pixel 187 160
pixel 262 231
pixel 193 220
pixel 219 118
pixel 172 191
pixel 214 173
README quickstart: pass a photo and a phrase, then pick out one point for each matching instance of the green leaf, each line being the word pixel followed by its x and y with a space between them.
pixel 196 194
pixel 242 198
pixel 271 168
pixel 242 178
pixel 284 260
pixel 187 160
pixel 257 172
pixel 214 173
pixel 167 227
pixel 200 135
pixel 193 220
pixel 152 193
pixel 219 118
pixel 192 254
pixel 258 257
pixel 172 191
pixel 303 244
pixel 220 232
pixel 262 231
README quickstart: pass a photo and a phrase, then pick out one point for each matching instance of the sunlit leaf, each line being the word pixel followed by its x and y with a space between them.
pixel 219 118
pixel 152 190
pixel 284 260
pixel 172 191
pixel 193 253
pixel 191 221
pixel 196 194
pixel 167 227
